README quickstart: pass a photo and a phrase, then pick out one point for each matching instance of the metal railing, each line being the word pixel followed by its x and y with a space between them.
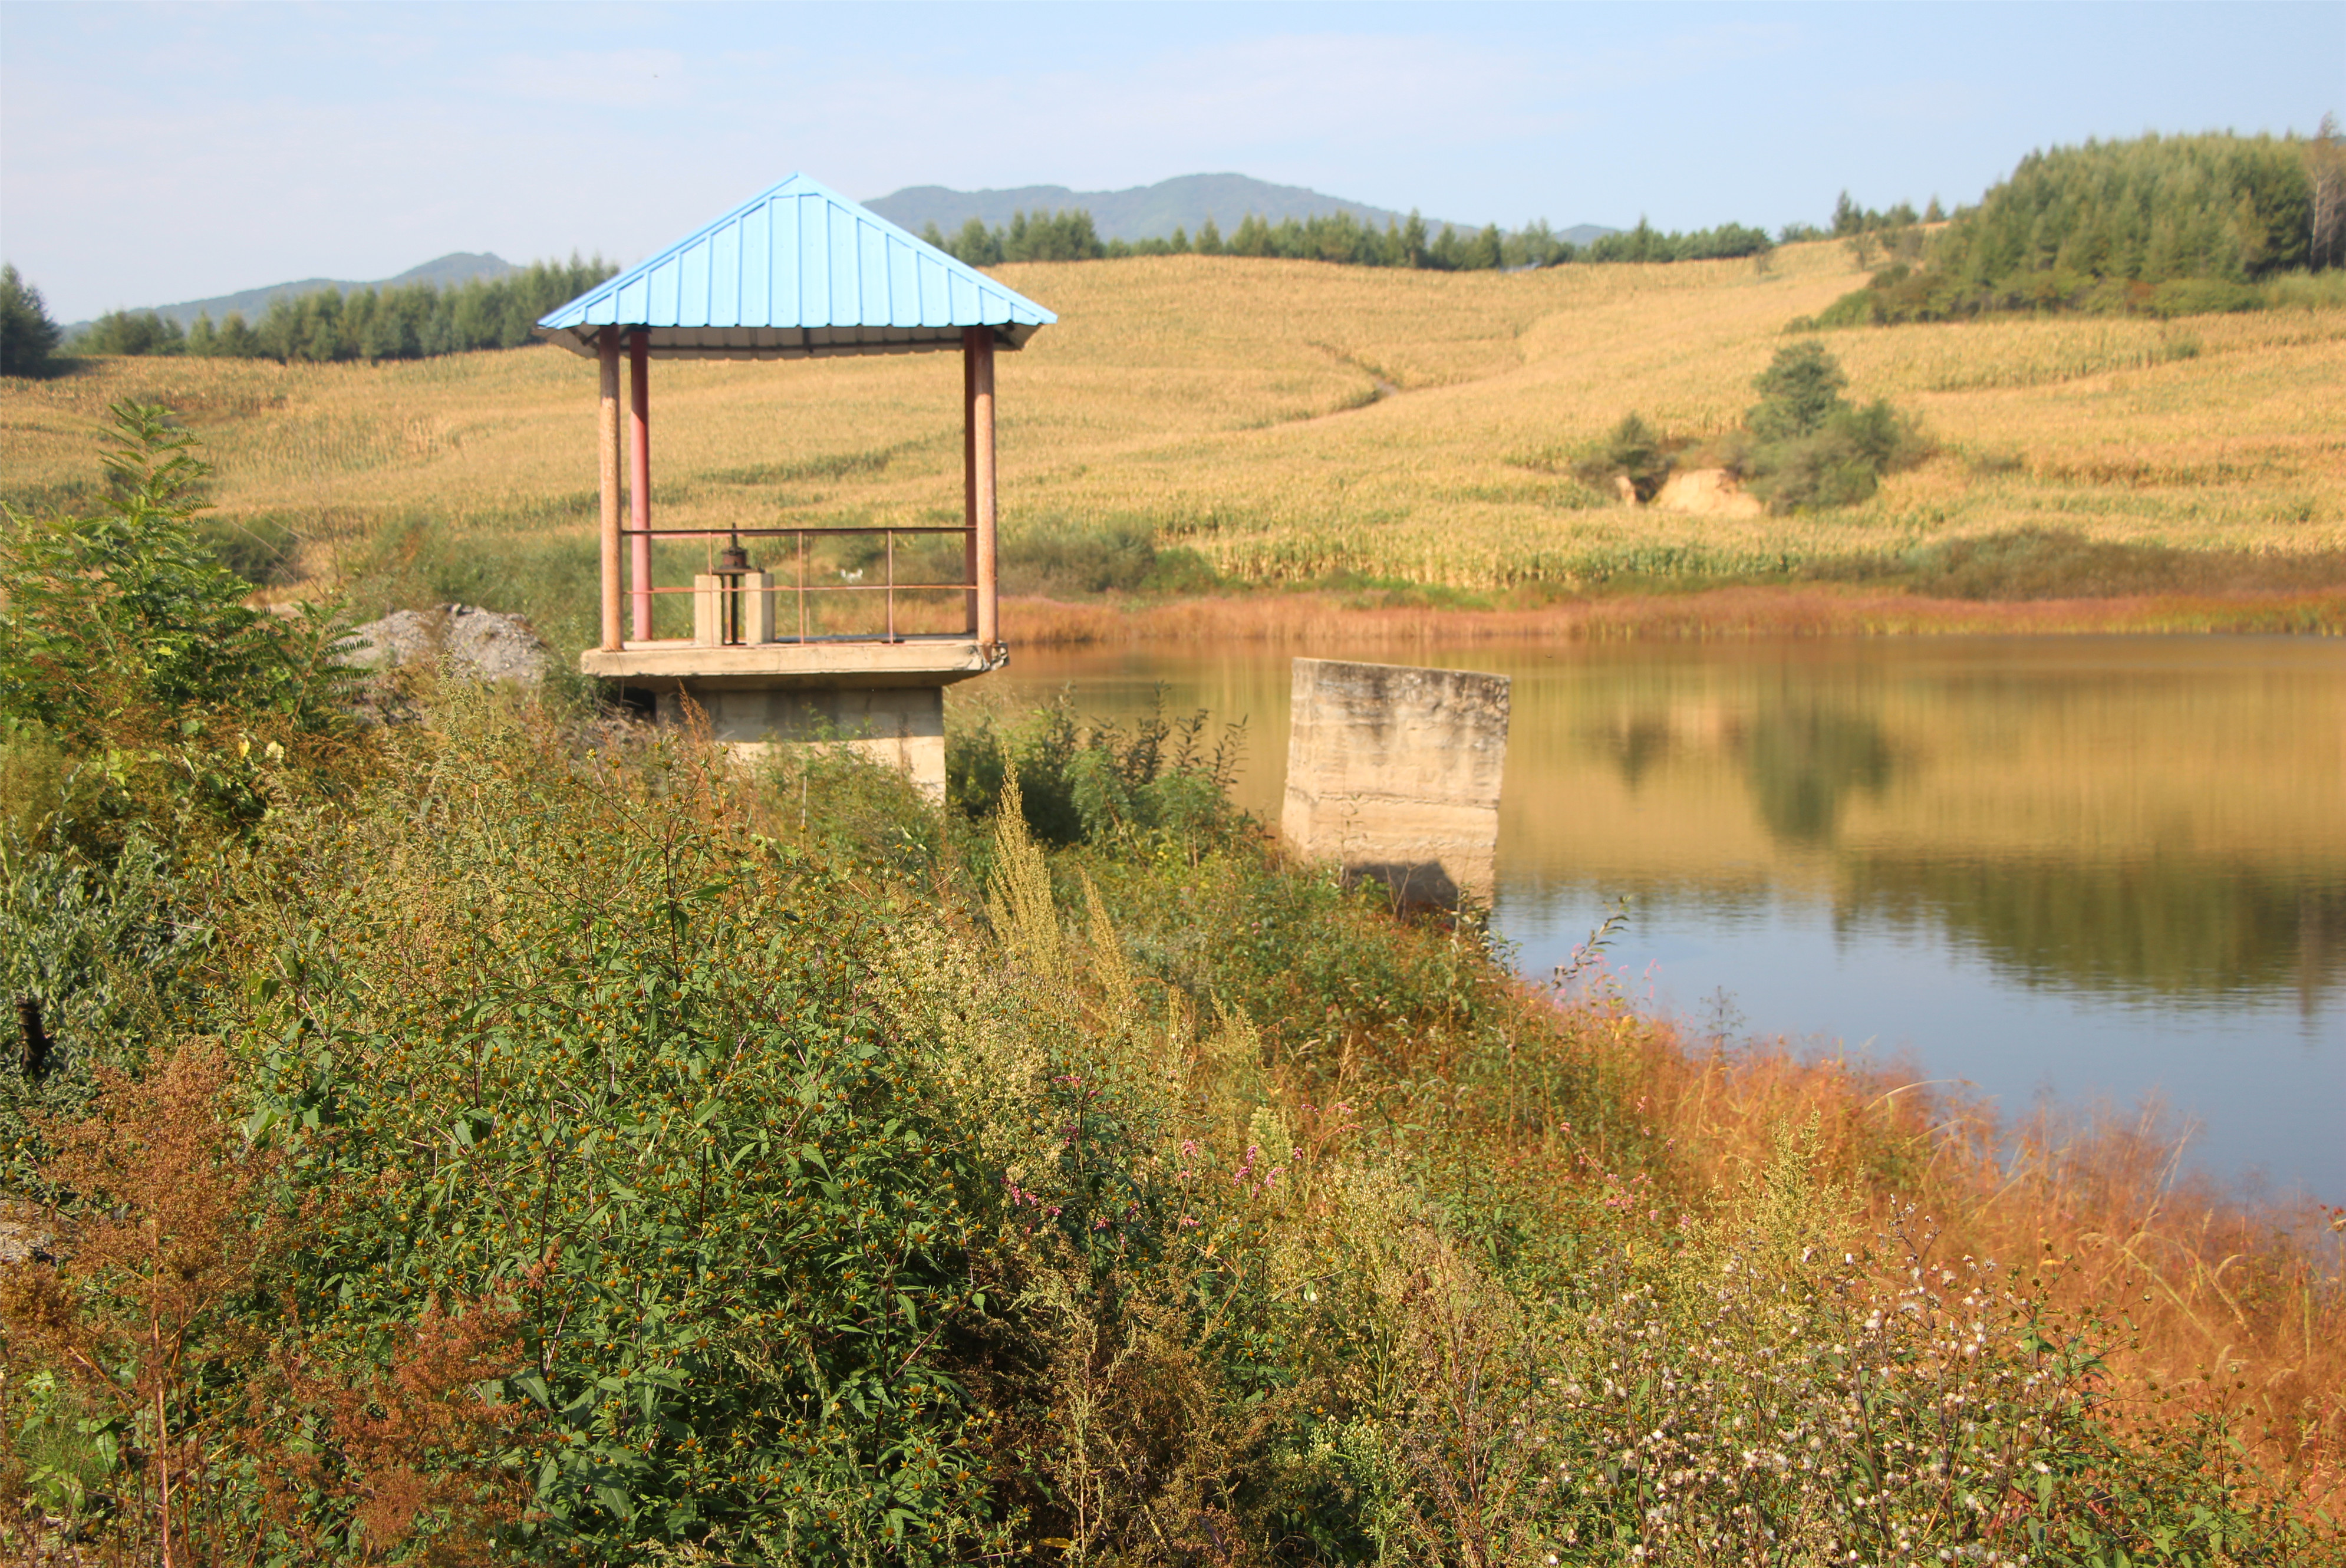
pixel 802 588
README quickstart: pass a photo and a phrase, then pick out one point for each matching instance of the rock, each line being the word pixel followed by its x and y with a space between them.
pixel 1707 493
pixel 463 639
pixel 1625 490
pixel 22 1234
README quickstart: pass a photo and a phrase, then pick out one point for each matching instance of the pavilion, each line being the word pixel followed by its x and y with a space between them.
pixel 800 648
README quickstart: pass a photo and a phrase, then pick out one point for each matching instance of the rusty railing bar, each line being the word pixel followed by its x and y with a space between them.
pixel 774 533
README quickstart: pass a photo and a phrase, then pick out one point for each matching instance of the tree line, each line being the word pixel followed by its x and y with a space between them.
pixel 1340 238
pixel 414 321
pixel 2163 224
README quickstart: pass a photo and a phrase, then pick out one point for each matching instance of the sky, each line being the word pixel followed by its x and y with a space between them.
pixel 151 154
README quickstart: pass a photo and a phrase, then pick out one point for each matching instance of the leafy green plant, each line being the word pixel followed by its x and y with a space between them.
pixel 730 1223
pixel 127 645
pixel 1075 782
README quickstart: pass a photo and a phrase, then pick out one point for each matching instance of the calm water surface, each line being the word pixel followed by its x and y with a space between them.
pixel 2108 869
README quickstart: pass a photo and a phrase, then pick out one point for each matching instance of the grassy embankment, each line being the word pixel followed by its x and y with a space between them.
pixel 1400 440
pixel 780 1173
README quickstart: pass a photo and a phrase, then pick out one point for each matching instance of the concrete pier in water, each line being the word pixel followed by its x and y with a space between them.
pixel 1393 771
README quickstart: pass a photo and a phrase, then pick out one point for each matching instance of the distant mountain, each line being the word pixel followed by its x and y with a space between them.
pixel 1145 211
pixel 457 266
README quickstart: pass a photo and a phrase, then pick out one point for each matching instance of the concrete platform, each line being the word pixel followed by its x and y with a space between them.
pixel 840 664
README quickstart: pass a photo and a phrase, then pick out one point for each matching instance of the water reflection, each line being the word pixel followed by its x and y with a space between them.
pixel 2194 931
pixel 2101 864
pixel 1800 758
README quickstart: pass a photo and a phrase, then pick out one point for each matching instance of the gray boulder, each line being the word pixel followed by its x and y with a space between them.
pixel 462 640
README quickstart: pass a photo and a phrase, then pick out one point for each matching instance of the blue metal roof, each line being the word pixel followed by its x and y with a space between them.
pixel 798 272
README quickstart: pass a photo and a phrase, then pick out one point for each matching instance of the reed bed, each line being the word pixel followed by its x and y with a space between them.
pixel 1326 620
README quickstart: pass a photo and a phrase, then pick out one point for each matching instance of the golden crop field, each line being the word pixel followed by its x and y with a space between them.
pixel 1290 421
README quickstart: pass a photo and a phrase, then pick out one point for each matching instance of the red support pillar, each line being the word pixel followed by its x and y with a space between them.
pixel 607 433
pixel 969 474
pixel 639 479
pixel 977 349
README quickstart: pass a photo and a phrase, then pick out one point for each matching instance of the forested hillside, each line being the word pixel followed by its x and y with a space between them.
pixel 1071 235
pixel 407 322
pixel 2162 225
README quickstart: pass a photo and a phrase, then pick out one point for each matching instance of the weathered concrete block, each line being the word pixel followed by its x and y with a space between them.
pixel 710 594
pixel 1394 771
pixel 899 727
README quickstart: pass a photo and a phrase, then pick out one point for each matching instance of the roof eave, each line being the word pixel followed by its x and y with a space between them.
pixel 785 342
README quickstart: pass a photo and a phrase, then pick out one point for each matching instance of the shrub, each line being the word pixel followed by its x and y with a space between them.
pixel 1066 560
pixel 1098 783
pixel 1798 392
pixel 125 642
pixel 1633 451
pixel 1802 446
pixel 1811 449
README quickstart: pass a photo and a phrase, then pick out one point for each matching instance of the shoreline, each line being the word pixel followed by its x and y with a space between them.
pixel 1325 619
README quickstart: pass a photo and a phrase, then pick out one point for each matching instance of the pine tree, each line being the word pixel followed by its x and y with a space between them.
pixel 28 338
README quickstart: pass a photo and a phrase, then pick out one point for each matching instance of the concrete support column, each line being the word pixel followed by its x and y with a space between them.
pixel 901 727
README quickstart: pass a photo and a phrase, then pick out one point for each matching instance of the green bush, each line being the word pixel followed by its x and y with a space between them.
pixel 1801 447
pixel 2203 297
pixel 127 645
pixel 1098 783
pixel 732 1226
pixel 1633 451
pixel 1067 560
pixel 1811 449
pixel 28 338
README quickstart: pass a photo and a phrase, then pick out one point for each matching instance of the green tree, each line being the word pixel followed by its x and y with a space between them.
pixel 1798 392
pixel 2325 169
pixel 131 332
pixel 28 338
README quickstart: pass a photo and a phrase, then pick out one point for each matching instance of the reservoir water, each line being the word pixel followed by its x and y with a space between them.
pixel 2108 869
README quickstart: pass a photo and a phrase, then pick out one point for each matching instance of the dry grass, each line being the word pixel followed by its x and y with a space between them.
pixel 1290 421
pixel 2214 1305
pixel 1322 620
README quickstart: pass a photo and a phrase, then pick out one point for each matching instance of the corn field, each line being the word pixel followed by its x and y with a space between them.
pixel 1290 421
